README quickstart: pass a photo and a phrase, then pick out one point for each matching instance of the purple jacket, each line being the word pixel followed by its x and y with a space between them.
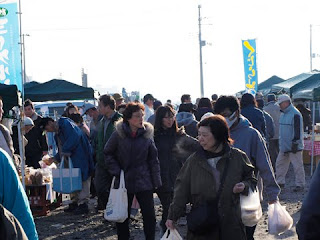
pixel 137 156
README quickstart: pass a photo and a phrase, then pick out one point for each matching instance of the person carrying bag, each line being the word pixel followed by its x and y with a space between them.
pixel 117 206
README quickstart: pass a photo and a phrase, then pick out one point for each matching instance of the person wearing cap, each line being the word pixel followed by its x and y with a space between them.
pixel 186 118
pixel 290 143
pixel 118 98
pixel 37 142
pixel 90 110
pixel 106 127
pixel 72 143
pixel 148 101
pixel 273 109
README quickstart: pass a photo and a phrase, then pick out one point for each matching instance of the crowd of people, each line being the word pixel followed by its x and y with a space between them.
pixel 205 154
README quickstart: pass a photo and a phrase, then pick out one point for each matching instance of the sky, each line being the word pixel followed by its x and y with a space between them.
pixel 152 46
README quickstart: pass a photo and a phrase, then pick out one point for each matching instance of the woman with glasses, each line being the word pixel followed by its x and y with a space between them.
pixel 174 147
pixel 131 148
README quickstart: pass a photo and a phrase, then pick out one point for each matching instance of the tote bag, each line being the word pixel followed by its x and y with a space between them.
pixel 66 180
pixel 117 206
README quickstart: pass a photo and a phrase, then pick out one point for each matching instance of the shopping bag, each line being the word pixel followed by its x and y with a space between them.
pixel 171 234
pixel 251 211
pixel 117 206
pixel 66 180
pixel 279 219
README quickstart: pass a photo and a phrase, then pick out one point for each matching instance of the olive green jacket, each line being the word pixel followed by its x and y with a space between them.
pixel 196 184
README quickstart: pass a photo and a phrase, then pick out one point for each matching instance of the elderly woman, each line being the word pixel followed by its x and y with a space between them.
pixel 212 180
pixel 131 148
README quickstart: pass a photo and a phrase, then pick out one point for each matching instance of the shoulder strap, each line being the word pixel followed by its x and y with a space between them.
pixel 224 175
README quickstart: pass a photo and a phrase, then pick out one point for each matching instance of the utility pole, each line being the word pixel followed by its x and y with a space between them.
pixel 311 48
pixel 200 45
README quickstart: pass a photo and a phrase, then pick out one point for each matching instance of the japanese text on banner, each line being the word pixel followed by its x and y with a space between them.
pixel 10 58
pixel 250 66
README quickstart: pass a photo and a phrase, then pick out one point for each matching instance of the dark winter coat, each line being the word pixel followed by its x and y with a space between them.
pixel 189 122
pixel 196 184
pixel 37 143
pixel 201 111
pixel 103 136
pixel 256 117
pixel 136 156
pixel 308 227
pixel 173 150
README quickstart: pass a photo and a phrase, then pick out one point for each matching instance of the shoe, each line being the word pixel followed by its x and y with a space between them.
pixel 71 208
pixel 298 189
pixel 81 209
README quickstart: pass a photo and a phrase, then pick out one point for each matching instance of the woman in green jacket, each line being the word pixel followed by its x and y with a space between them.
pixel 216 167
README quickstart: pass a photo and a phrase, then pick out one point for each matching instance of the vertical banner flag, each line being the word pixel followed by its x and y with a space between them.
pixel 10 58
pixel 250 66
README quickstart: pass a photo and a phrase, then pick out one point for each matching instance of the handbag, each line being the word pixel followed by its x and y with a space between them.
pixel 117 206
pixel 66 180
pixel 204 218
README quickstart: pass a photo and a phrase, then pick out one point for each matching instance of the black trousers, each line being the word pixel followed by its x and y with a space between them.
pixel 250 232
pixel 102 183
pixel 273 151
pixel 145 200
pixel 165 199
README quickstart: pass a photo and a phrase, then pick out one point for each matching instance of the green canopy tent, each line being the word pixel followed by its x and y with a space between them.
pixel 292 84
pixel 55 90
pixel 307 89
pixel 266 86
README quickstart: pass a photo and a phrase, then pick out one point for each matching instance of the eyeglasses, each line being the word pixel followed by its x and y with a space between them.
pixel 138 115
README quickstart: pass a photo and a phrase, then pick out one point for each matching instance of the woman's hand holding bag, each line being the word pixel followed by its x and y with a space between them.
pixel 251 211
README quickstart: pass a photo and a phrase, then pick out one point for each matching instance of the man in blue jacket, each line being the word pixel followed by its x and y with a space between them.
pixel 13 196
pixel 72 143
pixel 290 143
pixel 249 140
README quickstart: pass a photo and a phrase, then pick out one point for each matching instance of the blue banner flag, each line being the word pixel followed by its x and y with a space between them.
pixel 10 58
pixel 250 66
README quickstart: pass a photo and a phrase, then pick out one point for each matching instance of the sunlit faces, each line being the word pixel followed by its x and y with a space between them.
pixel 136 120
pixel 168 120
pixel 28 111
pixel 284 105
pixel 206 138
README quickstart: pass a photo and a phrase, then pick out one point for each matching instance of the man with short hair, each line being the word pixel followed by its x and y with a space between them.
pixel 105 128
pixel 37 141
pixel 214 97
pixel 186 98
pixel 148 101
pixel 249 140
pixel 274 110
pixel 290 144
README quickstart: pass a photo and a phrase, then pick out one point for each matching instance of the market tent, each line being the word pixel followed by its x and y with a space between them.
pixel 10 96
pixel 55 90
pixel 30 84
pixel 307 89
pixel 287 85
pixel 265 86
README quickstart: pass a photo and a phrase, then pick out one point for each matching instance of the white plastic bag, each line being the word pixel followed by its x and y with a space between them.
pixel 251 211
pixel 279 219
pixel 171 234
pixel 117 206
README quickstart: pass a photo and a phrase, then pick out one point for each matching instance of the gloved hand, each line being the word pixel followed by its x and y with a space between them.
pixel 294 147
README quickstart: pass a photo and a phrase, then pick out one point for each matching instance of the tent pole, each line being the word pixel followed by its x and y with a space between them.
pixel 312 141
